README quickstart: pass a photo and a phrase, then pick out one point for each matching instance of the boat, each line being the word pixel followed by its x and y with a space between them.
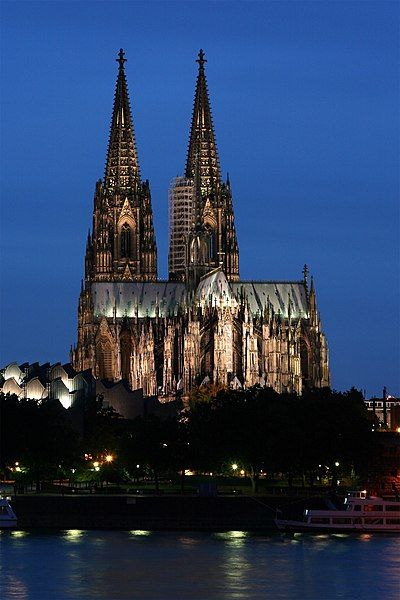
pixel 8 518
pixel 360 512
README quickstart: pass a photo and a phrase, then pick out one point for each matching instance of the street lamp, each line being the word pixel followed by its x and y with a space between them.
pixel 234 466
pixel 109 458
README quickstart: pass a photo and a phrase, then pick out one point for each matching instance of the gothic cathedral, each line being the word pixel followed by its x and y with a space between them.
pixel 203 325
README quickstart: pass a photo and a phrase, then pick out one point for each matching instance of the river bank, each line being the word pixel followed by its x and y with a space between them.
pixel 156 513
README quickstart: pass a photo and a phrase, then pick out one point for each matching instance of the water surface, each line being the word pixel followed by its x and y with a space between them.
pixel 141 565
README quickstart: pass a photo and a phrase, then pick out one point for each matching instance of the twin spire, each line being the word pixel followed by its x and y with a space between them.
pixel 122 167
pixel 202 151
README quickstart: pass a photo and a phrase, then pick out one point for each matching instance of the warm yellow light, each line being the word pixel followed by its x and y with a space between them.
pixel 97 468
pixel 109 458
pixel 95 464
pixel 242 472
pixel 19 534
pixel 16 463
pixel 398 430
pixel 234 466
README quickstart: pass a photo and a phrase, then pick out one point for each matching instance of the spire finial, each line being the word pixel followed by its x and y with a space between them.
pixel 201 60
pixel 121 58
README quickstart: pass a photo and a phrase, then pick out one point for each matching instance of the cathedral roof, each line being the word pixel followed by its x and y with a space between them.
pixel 279 294
pixel 166 297
pixel 214 284
pixel 137 298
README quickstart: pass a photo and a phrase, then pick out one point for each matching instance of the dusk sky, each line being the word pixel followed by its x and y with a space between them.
pixel 305 100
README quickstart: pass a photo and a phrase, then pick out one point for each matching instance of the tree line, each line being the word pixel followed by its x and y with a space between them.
pixel 217 431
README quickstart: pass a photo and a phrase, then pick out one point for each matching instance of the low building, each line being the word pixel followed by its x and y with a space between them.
pixel 63 383
pixel 385 411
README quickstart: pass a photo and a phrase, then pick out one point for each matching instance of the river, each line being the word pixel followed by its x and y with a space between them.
pixel 142 565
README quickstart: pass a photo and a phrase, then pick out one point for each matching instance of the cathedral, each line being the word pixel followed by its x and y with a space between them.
pixel 204 325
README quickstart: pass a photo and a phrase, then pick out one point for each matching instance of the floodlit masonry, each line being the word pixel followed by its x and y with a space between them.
pixel 203 325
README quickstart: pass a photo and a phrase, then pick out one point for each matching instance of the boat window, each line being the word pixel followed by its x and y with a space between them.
pixel 393 507
pixel 357 521
pixel 392 521
pixel 341 521
pixel 373 507
pixel 3 510
pixel 372 521
pixel 320 520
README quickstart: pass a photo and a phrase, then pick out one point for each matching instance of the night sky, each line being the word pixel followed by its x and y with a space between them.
pixel 305 104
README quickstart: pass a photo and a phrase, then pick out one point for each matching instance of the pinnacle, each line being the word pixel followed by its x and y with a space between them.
pixel 122 166
pixel 121 58
pixel 202 138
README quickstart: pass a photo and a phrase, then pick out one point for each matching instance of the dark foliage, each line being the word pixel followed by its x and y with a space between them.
pixel 257 429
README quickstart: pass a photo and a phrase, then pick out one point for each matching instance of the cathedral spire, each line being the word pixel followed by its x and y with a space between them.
pixel 122 167
pixel 202 137
pixel 198 221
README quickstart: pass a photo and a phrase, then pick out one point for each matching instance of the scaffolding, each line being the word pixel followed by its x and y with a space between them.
pixel 181 216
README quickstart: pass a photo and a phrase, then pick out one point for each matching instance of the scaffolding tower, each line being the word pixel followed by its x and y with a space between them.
pixel 181 217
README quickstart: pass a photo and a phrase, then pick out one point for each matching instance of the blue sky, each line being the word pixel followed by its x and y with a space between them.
pixel 305 102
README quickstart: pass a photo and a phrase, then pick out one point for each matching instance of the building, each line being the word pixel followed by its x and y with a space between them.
pixel 385 411
pixel 202 325
pixel 47 382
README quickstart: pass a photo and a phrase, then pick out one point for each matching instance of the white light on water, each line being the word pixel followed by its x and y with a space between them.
pixel 139 532
pixel 232 536
pixel 19 534
pixel 73 535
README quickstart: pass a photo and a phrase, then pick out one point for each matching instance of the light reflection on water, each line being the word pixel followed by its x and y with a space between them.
pixel 73 535
pixel 234 565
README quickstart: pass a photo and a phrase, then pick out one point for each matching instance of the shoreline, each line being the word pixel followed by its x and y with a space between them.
pixel 154 513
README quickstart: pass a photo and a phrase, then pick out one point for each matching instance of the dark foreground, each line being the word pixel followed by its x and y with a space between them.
pixel 144 565
pixel 138 512
pixel 156 513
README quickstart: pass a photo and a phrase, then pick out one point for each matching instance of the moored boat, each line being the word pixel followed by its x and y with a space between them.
pixel 8 518
pixel 360 512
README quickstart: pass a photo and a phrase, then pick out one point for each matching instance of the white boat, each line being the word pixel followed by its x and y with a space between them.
pixel 360 513
pixel 8 518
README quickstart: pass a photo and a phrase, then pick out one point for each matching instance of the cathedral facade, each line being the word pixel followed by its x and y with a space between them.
pixel 202 325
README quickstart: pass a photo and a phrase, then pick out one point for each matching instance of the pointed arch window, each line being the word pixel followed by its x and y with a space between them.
pixel 212 244
pixel 126 241
pixel 126 351
pixel 105 361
